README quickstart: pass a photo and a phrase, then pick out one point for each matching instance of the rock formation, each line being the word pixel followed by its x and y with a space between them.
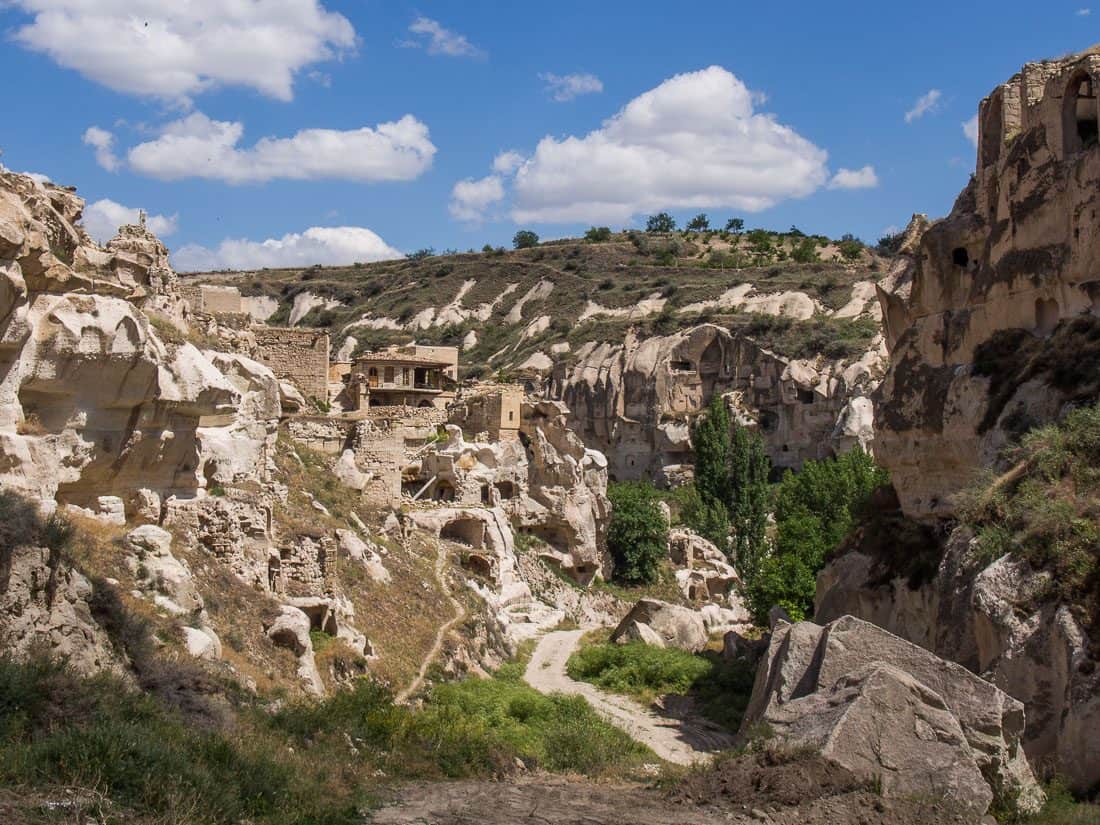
pixel 991 314
pixel 635 401
pixel 892 712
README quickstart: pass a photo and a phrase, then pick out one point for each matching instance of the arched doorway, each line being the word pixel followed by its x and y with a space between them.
pixel 1080 122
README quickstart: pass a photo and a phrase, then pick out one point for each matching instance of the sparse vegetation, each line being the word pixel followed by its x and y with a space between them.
pixel 1046 510
pixel 525 239
pixel 661 222
pixel 598 234
pixel 720 689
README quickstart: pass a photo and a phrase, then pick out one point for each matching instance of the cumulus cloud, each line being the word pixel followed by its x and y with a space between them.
pixel 197 146
pixel 328 245
pixel 104 144
pixel 926 103
pixel 1083 12
pixel 563 88
pixel 470 199
pixel 431 35
pixel 864 178
pixel 693 141
pixel 970 129
pixel 507 162
pixel 103 218
pixel 174 51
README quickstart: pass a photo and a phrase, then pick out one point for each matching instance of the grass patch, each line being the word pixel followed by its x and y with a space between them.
pixel 720 689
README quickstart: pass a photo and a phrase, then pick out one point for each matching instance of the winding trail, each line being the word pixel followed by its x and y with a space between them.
pixel 682 741
pixel 441 559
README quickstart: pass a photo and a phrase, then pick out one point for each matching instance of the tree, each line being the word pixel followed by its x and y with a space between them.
pixel 815 509
pixel 749 500
pixel 525 239
pixel 598 234
pixel 850 247
pixel 711 439
pixel 805 251
pixel 707 517
pixel 637 534
pixel 735 225
pixel 661 222
pixel 421 254
pixel 700 223
pixel 890 243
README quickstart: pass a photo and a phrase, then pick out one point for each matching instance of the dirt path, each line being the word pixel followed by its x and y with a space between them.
pixel 683 742
pixel 441 559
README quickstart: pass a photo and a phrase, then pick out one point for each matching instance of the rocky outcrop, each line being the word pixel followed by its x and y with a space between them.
pixel 995 623
pixel 891 711
pixel 992 313
pixel 664 625
pixel 542 477
pixel 635 401
pixel 45 605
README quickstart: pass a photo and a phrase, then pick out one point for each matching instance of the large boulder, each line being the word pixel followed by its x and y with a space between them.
pixel 828 663
pixel 676 626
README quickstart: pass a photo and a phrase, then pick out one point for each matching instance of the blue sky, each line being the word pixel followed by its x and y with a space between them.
pixel 204 116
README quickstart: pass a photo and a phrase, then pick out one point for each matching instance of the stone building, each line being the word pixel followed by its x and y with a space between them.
pixel 409 376
pixel 489 413
pixel 297 355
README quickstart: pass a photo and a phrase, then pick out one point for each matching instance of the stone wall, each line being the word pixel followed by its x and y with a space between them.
pixel 213 299
pixel 296 355
pixel 494 412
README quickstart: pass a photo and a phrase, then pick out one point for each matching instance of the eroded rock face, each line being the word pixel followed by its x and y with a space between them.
pixel 887 709
pixel 994 622
pixel 542 477
pixel 990 311
pixel 635 401
pixel 44 605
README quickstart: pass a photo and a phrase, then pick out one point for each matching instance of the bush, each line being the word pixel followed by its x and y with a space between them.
pixel 525 239
pixel 637 535
pixel 421 254
pixel 805 251
pixel 850 247
pixel 598 234
pixel 1047 510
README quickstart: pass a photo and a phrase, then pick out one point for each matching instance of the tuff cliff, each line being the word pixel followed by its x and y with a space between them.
pixel 636 401
pixel 992 316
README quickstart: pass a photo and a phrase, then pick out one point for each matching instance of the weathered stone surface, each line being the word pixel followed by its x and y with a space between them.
pixel 633 401
pixel 884 725
pixel 808 660
pixel 973 298
pixel 45 604
pixel 158 571
pixel 1040 655
pixel 290 629
pixel 676 626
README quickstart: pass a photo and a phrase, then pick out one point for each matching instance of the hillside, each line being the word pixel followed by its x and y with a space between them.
pixel 504 308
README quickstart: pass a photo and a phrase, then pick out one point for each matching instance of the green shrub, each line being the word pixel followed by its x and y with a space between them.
pixel 637 535
pixel 525 239
pixel 598 234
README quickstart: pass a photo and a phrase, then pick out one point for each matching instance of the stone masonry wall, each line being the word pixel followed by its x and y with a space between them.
pixel 296 355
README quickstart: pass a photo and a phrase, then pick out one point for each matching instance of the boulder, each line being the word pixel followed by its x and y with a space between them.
pixel 884 725
pixel 290 629
pixel 202 643
pixel 157 570
pixel 808 660
pixel 676 626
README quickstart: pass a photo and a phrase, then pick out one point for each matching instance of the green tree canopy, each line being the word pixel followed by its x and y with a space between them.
pixel 700 223
pixel 525 239
pixel 661 222
pixel 637 534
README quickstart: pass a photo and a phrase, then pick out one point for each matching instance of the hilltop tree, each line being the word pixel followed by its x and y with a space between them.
pixel 661 222
pixel 598 234
pixel 735 225
pixel 700 223
pixel 525 239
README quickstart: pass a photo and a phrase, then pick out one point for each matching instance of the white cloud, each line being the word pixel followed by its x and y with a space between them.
pixel 693 141
pixel 176 50
pixel 508 162
pixel 439 40
pixel 926 103
pixel 328 245
pixel 566 87
pixel 864 178
pixel 103 142
pixel 197 146
pixel 470 199
pixel 1083 12
pixel 103 218
pixel 970 129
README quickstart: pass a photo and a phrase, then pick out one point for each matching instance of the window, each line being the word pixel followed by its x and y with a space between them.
pixel 389 375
